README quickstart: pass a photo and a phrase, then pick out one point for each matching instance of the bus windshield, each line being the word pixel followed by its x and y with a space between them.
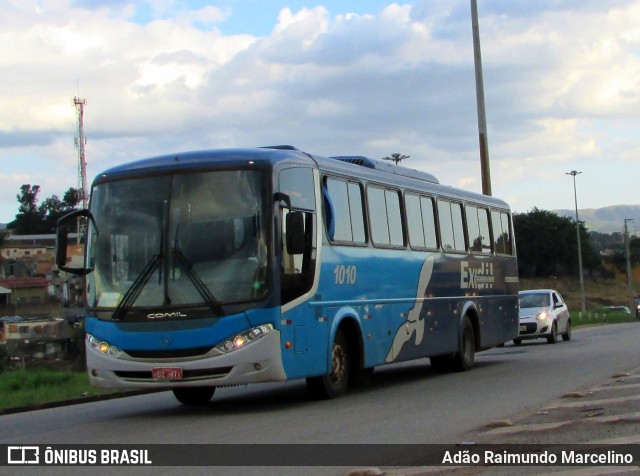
pixel 177 241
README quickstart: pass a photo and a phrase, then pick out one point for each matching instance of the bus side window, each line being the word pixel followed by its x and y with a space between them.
pixel 328 213
pixel 478 229
pixel 414 221
pixel 485 236
pixel 386 216
pixel 421 222
pixel 451 226
pixel 502 239
pixel 344 214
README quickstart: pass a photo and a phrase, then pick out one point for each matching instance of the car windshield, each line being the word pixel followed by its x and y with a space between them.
pixel 188 240
pixel 534 300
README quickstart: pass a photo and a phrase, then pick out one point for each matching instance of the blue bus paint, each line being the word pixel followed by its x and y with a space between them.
pixel 280 315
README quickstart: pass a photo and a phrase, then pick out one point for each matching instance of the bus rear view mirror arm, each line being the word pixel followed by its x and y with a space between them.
pixel 283 199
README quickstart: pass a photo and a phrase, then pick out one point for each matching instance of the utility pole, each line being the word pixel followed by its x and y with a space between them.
pixel 632 304
pixel 482 119
pixel 80 142
pixel 575 198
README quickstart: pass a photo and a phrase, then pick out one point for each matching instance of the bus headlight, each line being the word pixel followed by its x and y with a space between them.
pixel 103 347
pixel 242 339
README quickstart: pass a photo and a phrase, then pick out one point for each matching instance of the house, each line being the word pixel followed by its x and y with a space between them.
pixel 28 255
pixel 34 339
pixel 33 256
pixel 28 295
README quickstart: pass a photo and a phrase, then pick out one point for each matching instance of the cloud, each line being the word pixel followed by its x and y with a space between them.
pixel 561 85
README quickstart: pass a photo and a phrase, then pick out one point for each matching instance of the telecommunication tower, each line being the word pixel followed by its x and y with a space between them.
pixel 80 142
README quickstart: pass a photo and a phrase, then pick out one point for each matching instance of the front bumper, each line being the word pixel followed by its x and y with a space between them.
pixel 533 328
pixel 259 361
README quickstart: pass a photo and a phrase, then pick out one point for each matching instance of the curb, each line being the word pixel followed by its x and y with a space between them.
pixel 77 401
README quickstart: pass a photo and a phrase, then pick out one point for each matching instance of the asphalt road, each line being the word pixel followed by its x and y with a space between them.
pixel 406 403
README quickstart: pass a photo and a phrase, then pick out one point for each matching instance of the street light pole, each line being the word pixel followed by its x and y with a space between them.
pixel 575 198
pixel 485 169
pixel 628 256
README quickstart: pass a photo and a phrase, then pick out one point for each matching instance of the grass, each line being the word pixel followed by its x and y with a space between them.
pixel 40 386
pixel 601 316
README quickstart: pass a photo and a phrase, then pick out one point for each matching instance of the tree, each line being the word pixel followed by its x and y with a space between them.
pixel 30 217
pixel 54 208
pixel 38 219
pixel 619 257
pixel 547 245
pixel 396 158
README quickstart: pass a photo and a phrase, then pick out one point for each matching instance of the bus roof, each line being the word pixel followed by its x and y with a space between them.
pixel 351 166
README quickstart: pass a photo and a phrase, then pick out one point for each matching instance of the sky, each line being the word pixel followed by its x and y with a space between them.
pixel 331 77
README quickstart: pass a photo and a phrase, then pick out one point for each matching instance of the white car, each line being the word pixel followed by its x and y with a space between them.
pixel 543 314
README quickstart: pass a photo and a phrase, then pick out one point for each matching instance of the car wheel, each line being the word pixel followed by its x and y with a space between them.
pixel 517 341
pixel 553 337
pixel 567 334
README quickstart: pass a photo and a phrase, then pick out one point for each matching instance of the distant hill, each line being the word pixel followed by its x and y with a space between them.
pixel 607 219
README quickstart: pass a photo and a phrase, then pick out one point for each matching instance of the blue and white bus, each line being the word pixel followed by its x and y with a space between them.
pixel 225 267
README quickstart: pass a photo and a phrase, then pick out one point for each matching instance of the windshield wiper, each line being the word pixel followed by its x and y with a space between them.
pixel 135 289
pixel 202 288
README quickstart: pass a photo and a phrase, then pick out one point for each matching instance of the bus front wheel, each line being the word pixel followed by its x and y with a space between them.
pixel 335 383
pixel 194 395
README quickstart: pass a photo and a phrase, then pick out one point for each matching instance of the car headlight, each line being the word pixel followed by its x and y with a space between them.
pixel 244 338
pixel 103 347
pixel 543 316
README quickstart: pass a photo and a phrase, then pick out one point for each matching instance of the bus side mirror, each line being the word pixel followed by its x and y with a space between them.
pixel 295 233
pixel 64 225
pixel 62 240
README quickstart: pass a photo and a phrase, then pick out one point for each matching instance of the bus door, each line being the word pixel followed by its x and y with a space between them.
pixel 304 333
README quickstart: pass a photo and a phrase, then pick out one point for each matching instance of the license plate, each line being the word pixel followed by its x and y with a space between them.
pixel 523 328
pixel 166 373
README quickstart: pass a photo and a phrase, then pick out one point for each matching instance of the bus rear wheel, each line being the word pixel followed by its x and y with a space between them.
pixel 464 358
pixel 335 383
pixel 194 395
pixel 466 354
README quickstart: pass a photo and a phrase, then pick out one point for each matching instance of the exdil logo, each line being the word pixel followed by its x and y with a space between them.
pixel 476 277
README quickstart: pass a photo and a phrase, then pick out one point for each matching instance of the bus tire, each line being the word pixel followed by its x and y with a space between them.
pixel 335 383
pixel 461 360
pixel 194 395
